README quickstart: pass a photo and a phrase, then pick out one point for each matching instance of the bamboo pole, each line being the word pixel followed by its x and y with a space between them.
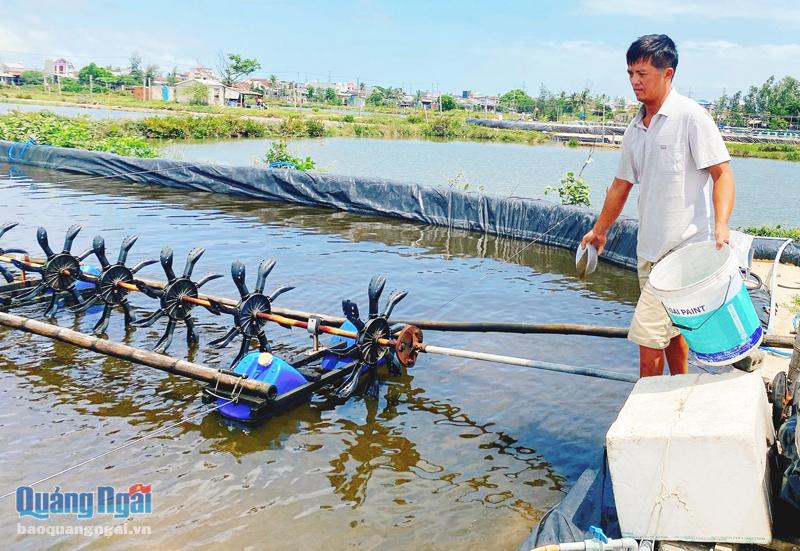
pixel 136 355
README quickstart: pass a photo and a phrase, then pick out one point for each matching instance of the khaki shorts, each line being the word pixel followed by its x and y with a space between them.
pixel 651 326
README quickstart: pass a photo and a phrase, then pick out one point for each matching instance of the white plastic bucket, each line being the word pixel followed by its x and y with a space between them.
pixel 704 293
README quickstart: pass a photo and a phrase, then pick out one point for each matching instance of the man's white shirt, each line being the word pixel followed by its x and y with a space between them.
pixel 669 162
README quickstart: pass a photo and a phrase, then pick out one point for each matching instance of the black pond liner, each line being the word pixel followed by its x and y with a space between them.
pixel 516 217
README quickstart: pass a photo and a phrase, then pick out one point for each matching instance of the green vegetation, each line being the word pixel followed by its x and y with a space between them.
pixel 773 231
pixel 573 191
pixel 198 94
pixel 516 100
pixel 772 101
pixel 187 127
pixel 50 129
pixel 548 106
pixel 100 76
pixel 448 103
pixel 782 152
pixel 279 153
pixel 381 96
pixel 234 67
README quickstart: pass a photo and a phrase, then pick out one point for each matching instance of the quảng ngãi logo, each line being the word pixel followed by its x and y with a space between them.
pixel 136 500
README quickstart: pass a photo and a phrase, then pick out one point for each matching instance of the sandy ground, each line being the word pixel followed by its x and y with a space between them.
pixel 787 288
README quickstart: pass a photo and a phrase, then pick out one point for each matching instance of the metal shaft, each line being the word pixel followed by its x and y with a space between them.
pixel 511 360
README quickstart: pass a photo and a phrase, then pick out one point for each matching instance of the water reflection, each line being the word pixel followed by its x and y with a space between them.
pixel 454 452
pixel 607 282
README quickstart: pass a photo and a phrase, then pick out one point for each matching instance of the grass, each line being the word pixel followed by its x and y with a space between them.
pixel 385 123
pixel 80 133
pixel 782 152
pixel 774 231
pixel 376 123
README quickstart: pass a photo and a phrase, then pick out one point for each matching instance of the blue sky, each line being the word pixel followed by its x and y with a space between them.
pixel 485 46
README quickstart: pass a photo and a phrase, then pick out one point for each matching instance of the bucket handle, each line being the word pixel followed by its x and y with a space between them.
pixel 714 313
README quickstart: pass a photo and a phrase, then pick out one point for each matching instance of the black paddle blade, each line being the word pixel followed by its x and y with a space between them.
pixel 191 260
pixel 125 248
pixel 238 272
pixel 394 297
pixel 376 285
pixel 41 238
pixel 166 263
pixel 225 340
pixel 350 384
pixel 72 233
pixel 264 270
pixel 350 310
pixel 7 227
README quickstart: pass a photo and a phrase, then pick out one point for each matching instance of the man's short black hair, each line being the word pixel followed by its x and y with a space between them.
pixel 658 49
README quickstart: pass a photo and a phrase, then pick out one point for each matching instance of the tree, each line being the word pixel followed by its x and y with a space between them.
pixel 31 77
pixel 172 77
pixel 779 124
pixel 100 75
pixel 331 97
pixel 310 93
pixel 381 96
pixel 70 85
pixel 151 72
pixel 516 100
pixel 273 81
pixel 135 67
pixel 198 94
pixel 233 67
pixel 448 103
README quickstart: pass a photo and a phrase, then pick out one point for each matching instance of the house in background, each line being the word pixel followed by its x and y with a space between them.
pixel 10 73
pixel 217 93
pixel 60 68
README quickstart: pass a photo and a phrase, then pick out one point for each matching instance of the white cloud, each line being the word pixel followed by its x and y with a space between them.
pixel 782 11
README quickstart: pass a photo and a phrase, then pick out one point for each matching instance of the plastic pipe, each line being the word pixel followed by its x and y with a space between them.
pixel 623 544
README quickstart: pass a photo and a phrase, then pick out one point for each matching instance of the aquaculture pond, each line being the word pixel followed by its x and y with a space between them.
pixel 73 111
pixel 454 454
pixel 506 169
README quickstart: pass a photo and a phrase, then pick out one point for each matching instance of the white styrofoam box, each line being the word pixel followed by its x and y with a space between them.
pixel 688 459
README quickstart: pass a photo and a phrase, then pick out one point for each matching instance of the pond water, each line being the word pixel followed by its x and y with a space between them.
pixel 505 169
pixel 453 454
pixel 72 111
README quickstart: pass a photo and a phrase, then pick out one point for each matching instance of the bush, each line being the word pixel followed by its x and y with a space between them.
pixel 773 231
pixel 198 94
pixel 278 152
pixel 50 129
pixel 314 128
pixel 443 127
pixel 298 127
pixel 348 118
pixel 415 118
pixel 573 191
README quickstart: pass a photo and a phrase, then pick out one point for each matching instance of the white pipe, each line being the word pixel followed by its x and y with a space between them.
pixel 623 544
pixel 773 285
pixel 547 366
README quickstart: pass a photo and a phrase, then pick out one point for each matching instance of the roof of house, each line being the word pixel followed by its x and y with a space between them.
pixel 206 81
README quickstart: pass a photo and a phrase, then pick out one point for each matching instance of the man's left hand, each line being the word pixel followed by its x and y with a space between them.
pixel 722 234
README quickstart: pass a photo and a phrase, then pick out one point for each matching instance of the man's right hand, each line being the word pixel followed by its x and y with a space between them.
pixel 595 238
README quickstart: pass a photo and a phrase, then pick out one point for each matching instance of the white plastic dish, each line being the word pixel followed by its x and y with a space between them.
pixel 585 260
